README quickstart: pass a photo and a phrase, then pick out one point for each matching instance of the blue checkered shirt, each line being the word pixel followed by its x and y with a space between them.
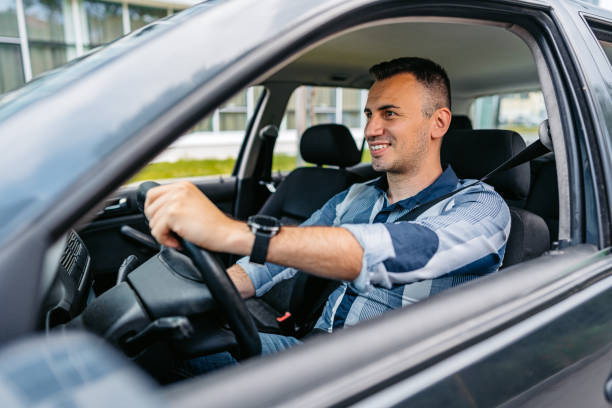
pixel 456 240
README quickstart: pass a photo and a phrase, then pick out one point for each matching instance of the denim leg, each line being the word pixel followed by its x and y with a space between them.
pixel 270 343
pixel 273 343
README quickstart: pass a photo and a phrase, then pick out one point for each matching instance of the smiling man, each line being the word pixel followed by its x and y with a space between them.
pixel 372 236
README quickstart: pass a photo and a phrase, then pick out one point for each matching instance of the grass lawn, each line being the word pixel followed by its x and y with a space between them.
pixel 209 167
pixel 204 167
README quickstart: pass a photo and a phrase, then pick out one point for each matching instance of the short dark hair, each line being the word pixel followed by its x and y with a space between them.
pixel 429 74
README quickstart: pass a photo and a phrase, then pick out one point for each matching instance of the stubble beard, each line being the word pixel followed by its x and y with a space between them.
pixel 411 163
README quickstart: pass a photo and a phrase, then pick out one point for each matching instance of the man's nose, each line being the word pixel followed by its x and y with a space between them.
pixel 374 127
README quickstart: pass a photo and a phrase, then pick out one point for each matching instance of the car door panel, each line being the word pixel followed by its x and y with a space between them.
pixel 562 363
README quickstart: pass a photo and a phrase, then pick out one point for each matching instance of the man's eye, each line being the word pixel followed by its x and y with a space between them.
pixel 389 114
pixel 368 114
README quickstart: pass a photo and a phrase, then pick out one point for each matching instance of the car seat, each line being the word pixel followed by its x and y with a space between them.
pixel 473 154
pixel 306 189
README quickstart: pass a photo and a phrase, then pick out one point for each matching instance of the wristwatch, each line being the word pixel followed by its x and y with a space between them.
pixel 264 227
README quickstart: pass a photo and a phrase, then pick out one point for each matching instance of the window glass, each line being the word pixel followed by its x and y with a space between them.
pixel 352 107
pixel 8 19
pixel 209 148
pixel 521 112
pixel 11 68
pixel 233 113
pixel 45 56
pixel 311 105
pixel 50 33
pixel 603 33
pixel 103 22
pixel 140 16
pixel 607 47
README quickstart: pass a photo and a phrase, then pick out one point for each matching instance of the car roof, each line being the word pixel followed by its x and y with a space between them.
pixel 479 58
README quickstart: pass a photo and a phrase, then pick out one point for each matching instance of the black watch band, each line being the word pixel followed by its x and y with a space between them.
pixel 259 253
pixel 264 228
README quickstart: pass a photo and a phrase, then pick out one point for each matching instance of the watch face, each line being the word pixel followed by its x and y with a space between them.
pixel 264 223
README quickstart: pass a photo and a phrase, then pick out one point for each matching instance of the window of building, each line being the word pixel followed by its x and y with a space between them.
pixel 11 68
pixel 140 16
pixel 8 19
pixel 209 148
pixel 311 105
pixel 233 113
pixel 52 38
pixel 102 22
pixel 50 33
pixel 522 112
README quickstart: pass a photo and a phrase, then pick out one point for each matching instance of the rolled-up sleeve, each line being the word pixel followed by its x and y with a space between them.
pixel 467 232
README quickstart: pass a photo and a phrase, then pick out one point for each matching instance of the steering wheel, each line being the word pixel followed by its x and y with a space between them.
pixel 221 288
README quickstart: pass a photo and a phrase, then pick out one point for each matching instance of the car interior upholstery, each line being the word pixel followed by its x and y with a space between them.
pixel 306 189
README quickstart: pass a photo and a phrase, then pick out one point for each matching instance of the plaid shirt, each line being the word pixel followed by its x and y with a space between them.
pixel 456 240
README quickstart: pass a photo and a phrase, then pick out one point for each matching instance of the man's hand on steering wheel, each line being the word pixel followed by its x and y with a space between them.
pixel 183 209
pixel 181 216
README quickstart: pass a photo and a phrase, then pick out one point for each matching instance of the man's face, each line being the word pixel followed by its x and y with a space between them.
pixel 397 132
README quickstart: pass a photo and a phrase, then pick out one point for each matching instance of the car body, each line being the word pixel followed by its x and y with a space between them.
pixel 536 334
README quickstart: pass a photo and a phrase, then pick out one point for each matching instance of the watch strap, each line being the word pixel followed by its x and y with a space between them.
pixel 260 248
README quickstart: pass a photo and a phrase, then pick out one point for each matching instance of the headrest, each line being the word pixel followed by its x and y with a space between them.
pixel 329 144
pixel 460 122
pixel 474 153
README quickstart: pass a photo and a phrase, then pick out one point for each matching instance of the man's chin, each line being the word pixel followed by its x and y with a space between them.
pixel 378 166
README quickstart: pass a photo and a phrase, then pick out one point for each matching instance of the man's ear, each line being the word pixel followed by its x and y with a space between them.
pixel 441 119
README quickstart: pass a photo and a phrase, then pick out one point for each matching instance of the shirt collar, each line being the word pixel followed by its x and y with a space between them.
pixel 444 184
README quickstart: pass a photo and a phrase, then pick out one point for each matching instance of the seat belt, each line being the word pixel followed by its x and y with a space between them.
pixel 268 135
pixel 531 152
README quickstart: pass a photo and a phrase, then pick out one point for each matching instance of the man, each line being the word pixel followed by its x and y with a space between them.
pixel 354 238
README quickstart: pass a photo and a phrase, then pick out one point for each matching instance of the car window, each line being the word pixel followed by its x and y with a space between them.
pixel 314 105
pixel 209 148
pixel 521 112
pixel 603 33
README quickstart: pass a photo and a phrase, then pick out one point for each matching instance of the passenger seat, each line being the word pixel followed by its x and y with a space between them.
pixel 474 153
pixel 306 189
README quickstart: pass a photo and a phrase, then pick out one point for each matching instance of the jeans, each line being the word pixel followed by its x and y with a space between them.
pixel 270 343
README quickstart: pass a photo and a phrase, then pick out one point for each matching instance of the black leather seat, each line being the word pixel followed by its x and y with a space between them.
pixel 460 122
pixel 306 189
pixel 473 154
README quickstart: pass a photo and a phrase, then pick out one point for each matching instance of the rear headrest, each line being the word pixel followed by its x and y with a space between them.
pixel 329 144
pixel 474 153
pixel 460 122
